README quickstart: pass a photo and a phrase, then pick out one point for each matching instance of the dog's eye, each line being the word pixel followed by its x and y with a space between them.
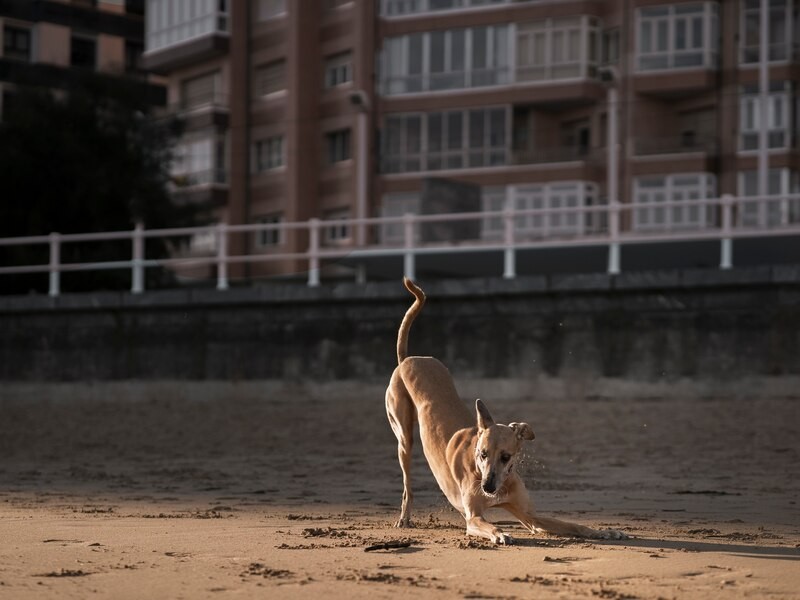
pixel 505 457
pixel 484 454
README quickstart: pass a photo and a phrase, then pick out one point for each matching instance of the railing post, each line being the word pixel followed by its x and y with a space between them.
pixel 510 256
pixel 313 252
pixel 137 264
pixel 613 233
pixel 726 243
pixel 55 264
pixel 222 256
pixel 409 266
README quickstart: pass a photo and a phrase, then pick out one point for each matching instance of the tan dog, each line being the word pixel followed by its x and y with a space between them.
pixel 473 463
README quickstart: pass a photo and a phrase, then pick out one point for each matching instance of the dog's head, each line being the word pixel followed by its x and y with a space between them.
pixel 496 448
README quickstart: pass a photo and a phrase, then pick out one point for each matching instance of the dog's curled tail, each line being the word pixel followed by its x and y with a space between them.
pixel 411 314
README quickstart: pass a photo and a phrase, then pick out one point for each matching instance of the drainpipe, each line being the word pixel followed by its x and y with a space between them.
pixel 763 105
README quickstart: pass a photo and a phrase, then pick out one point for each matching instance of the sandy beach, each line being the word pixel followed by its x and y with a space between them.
pixel 279 490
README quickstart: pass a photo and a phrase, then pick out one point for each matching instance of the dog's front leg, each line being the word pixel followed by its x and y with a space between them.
pixel 478 526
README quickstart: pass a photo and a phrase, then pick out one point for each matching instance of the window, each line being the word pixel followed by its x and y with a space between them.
pixel 338 69
pixel 83 52
pixel 557 49
pixel 780 211
pixel 392 8
pixel 134 7
pixel 453 139
pixel 677 36
pixel 650 193
pixel 270 78
pixel 199 159
pixel 266 238
pixel 398 205
pixel 338 145
pixel 784 30
pixel 560 195
pixel 611 44
pixel 8 102
pixel 269 154
pixel 172 22
pixel 17 43
pixel 203 90
pixel 335 228
pixel 446 60
pixel 133 56
pixel 576 137
pixel 268 9
pixel 779 116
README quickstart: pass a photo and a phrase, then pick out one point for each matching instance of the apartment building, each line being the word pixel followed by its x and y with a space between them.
pixel 339 109
pixel 51 42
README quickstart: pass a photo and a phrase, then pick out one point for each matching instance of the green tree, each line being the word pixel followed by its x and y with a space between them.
pixel 89 159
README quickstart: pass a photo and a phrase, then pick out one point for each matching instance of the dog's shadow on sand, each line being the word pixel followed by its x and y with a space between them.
pixel 750 551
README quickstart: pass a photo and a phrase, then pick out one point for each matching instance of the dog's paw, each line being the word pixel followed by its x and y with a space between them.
pixel 404 523
pixel 503 539
pixel 609 534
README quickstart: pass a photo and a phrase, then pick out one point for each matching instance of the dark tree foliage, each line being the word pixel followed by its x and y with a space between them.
pixel 89 159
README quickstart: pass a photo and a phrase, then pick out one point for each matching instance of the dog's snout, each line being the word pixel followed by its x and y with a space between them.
pixel 488 485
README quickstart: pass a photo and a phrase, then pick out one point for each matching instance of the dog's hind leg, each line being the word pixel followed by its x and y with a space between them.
pixel 402 416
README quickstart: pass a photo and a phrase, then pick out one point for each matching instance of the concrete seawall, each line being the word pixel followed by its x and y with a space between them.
pixel 652 327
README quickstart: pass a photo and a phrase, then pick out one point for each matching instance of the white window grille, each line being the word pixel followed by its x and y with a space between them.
pixel 557 49
pixel 494 201
pixel 394 8
pixel 779 117
pixel 397 205
pixel 780 211
pixel 784 30
pixel 199 159
pixel 677 36
pixel 172 22
pixel 454 139
pixel 650 194
pixel 335 228
pixel 446 60
pixel 558 195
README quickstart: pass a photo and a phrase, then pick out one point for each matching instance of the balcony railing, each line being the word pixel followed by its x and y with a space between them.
pixel 740 217
pixel 553 155
pixel 687 142
pixel 206 177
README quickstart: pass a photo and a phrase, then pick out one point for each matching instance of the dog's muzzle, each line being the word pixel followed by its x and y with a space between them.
pixel 488 485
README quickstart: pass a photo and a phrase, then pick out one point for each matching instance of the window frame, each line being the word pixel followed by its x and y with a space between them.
pixel 20 28
pixel 338 146
pixel 649 216
pixel 438 149
pixel 664 20
pixel 340 63
pixel 269 153
pixel 270 238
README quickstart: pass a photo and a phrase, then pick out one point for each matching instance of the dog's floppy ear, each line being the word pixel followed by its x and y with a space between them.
pixel 523 430
pixel 485 420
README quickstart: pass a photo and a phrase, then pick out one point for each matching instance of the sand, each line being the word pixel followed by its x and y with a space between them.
pixel 270 490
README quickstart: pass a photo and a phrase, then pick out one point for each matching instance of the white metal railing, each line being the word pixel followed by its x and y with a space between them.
pixel 733 217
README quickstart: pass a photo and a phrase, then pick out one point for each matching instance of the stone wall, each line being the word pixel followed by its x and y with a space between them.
pixel 647 326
